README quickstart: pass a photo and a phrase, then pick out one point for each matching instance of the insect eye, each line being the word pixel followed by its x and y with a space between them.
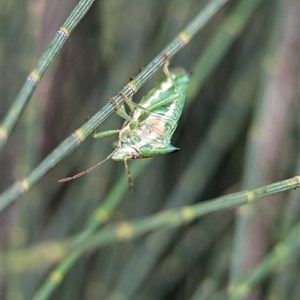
pixel 134 155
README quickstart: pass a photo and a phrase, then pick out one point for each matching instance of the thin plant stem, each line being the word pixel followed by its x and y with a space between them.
pixel 37 73
pixel 282 252
pixel 20 261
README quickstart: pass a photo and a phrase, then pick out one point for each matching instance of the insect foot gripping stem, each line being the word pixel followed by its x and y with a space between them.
pixel 150 126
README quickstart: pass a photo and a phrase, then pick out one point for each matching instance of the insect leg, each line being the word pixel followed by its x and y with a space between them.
pixel 128 101
pixel 130 181
pixel 132 105
pixel 101 135
pixel 120 110
pixel 167 72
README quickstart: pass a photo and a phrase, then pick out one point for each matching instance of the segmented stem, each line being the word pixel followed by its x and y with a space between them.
pixel 37 73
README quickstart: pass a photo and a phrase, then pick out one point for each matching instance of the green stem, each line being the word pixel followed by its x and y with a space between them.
pixel 37 73
pixel 281 253
pixel 31 258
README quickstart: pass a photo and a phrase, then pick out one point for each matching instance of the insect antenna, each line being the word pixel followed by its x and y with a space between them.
pixel 130 181
pixel 87 170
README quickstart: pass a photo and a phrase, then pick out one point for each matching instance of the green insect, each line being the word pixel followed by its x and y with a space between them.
pixel 148 130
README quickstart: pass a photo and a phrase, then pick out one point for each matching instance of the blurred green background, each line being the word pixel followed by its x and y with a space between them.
pixel 239 130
